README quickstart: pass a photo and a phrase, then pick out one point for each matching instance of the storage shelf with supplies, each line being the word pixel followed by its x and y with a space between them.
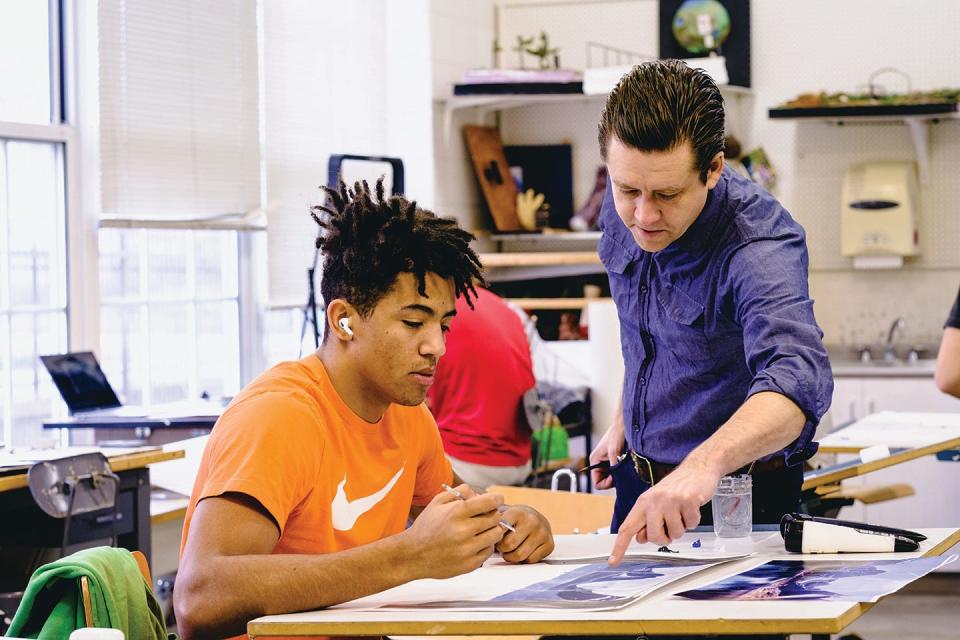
pixel 917 117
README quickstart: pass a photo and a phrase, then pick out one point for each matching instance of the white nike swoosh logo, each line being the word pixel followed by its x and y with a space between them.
pixel 346 512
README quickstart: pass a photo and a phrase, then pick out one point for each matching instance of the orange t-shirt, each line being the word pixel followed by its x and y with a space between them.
pixel 331 480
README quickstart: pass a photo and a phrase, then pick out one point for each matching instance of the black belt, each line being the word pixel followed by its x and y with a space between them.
pixel 652 472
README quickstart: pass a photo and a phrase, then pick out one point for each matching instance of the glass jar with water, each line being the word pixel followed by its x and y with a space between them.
pixel 733 507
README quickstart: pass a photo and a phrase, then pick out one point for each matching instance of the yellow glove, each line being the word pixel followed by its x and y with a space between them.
pixel 528 203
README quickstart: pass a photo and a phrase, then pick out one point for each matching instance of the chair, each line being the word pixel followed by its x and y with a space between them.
pixel 102 587
pixel 72 500
pixel 85 586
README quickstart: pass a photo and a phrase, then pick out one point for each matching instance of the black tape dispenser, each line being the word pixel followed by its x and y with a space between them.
pixel 808 534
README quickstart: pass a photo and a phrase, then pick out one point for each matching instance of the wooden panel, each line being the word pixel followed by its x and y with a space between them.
pixel 493 173
pixel 566 512
pixel 539 258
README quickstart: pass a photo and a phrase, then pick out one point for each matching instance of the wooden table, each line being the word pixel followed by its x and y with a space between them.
pixel 658 613
pixel 31 527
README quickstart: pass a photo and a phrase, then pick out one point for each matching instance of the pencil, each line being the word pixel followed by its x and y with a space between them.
pixel 460 496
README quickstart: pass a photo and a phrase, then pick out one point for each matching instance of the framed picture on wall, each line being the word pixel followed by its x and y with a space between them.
pixel 699 28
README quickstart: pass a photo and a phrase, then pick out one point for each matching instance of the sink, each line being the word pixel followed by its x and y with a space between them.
pixel 846 356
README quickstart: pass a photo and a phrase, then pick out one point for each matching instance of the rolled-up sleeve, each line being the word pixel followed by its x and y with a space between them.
pixel 783 346
pixel 953 320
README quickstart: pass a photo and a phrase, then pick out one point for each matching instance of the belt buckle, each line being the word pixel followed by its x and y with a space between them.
pixel 636 457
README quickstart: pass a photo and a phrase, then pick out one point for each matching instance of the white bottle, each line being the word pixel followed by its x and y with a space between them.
pixel 96 633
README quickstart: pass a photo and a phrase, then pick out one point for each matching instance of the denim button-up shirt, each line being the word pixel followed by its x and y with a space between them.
pixel 720 314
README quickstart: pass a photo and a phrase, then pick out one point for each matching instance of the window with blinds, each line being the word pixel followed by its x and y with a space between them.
pixel 179 123
pixel 180 159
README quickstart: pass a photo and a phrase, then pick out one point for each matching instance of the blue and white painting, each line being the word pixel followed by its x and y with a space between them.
pixel 841 580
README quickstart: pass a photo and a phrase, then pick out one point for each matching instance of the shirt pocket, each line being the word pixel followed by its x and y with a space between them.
pixel 617 261
pixel 615 258
pixel 681 324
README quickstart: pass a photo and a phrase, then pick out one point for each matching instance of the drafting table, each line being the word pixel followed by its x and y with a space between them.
pixel 657 613
pixel 173 422
pixel 149 430
pixel 906 435
pixel 855 467
pixel 35 528
pixel 901 429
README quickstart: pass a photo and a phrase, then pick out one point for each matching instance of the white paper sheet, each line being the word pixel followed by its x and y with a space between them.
pixel 839 580
pixel 596 548
pixel 497 586
pixel 593 586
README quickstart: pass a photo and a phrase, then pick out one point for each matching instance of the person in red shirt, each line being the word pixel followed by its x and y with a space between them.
pixel 477 395
pixel 312 473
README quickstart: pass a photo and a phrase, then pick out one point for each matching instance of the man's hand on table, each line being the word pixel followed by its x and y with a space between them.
pixel 453 536
pixel 531 542
pixel 663 512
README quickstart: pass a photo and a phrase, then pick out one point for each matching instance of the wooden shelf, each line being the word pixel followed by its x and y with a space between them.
pixel 917 117
pixel 546 304
pixel 932 110
pixel 500 102
pixel 544 236
pixel 539 259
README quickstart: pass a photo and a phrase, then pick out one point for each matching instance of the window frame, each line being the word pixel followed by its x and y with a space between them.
pixel 148 306
pixel 61 131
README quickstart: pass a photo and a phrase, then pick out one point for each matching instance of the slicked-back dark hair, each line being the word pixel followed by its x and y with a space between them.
pixel 367 240
pixel 660 105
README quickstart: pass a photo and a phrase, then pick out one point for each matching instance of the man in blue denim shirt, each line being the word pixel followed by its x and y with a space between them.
pixel 725 370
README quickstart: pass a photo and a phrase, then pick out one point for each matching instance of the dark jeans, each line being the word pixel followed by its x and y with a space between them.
pixel 774 494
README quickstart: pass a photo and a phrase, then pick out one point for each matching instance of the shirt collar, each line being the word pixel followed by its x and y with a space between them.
pixel 695 238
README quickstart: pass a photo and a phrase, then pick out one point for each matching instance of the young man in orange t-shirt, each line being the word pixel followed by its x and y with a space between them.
pixel 312 473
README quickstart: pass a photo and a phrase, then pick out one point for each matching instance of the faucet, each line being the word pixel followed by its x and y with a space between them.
pixel 889 353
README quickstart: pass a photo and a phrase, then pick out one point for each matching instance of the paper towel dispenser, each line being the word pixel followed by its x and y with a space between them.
pixel 879 214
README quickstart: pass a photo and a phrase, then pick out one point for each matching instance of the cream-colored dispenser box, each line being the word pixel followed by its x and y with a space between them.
pixel 879 211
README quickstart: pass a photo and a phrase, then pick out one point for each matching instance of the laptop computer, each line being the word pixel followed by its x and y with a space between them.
pixel 87 392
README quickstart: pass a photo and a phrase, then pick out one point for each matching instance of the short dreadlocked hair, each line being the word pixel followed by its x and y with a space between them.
pixel 367 240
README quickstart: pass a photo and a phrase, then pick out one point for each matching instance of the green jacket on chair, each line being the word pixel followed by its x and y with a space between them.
pixel 52 604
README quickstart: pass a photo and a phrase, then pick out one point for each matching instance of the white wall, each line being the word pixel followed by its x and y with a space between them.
pixel 835 46
pixel 461 38
pixel 796 48
pixel 340 77
pixel 409 99
pixel 324 92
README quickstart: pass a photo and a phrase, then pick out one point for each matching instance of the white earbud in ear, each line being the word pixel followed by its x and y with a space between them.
pixel 345 325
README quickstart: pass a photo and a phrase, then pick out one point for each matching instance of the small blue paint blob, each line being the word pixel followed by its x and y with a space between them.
pixel 696 543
